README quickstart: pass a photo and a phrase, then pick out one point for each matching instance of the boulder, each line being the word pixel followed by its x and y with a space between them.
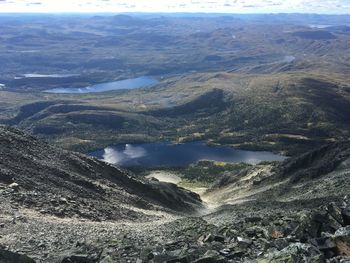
pixel 219 238
pixel 256 231
pixel 335 212
pixel 211 256
pixel 5 176
pixel 14 186
pixel 326 245
pixel 244 242
pixel 253 219
pixel 235 254
pixel 295 253
pixel 342 241
pixel 107 259
pixel 78 259
pixel 280 243
pixel 12 257
pixel 211 238
pixel 184 259
pixel 345 213
pixel 225 252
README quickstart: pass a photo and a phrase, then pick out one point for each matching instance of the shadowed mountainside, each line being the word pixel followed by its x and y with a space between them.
pixel 58 182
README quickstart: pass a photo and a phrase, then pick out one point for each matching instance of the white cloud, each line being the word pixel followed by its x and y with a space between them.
pixel 222 6
pixel 114 156
pixel 133 152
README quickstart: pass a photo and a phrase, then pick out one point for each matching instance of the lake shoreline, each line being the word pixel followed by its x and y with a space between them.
pixel 167 154
pixel 124 84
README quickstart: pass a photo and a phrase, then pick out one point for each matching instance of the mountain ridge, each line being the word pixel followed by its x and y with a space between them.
pixel 56 181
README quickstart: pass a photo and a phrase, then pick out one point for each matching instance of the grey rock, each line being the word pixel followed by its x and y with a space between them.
pixel 107 259
pixel 184 259
pixel 219 238
pixel 280 243
pixel 342 241
pixel 253 219
pixel 344 231
pixel 211 256
pixel 244 242
pixel 326 245
pixel 323 243
pixel 225 251
pixel 257 231
pixel 77 259
pixel 345 213
pixel 211 253
pixel 236 254
pixel 297 252
pixel 12 257
pixel 212 238
pixel 14 186
pixel 335 212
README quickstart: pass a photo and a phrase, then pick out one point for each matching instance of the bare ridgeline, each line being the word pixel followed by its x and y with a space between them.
pixel 277 83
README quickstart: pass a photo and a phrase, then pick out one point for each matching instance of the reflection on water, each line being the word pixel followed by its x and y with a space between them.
pixel 34 75
pixel 166 154
pixel 288 59
pixel 115 156
pixel 319 26
pixel 109 86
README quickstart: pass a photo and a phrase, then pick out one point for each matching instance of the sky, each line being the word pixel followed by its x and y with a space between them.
pixel 206 6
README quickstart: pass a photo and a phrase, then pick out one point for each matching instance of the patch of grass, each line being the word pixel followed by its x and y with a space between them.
pixel 191 184
pixel 209 171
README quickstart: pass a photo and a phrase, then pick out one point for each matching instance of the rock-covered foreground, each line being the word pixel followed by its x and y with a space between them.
pixel 321 235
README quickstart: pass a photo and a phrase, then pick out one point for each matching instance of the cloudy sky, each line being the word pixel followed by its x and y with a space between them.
pixel 219 6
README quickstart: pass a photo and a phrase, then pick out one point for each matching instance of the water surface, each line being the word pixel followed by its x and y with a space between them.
pixel 34 75
pixel 109 86
pixel 178 155
pixel 319 26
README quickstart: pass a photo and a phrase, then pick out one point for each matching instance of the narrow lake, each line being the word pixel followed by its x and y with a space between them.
pixel 109 86
pixel 178 155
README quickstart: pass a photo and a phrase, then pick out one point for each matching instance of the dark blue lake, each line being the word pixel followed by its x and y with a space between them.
pixel 109 86
pixel 177 155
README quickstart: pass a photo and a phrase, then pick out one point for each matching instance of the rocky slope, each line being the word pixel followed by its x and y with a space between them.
pixel 52 181
pixel 273 212
pixel 320 174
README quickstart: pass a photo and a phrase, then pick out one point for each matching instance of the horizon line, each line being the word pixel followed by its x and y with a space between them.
pixel 184 12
